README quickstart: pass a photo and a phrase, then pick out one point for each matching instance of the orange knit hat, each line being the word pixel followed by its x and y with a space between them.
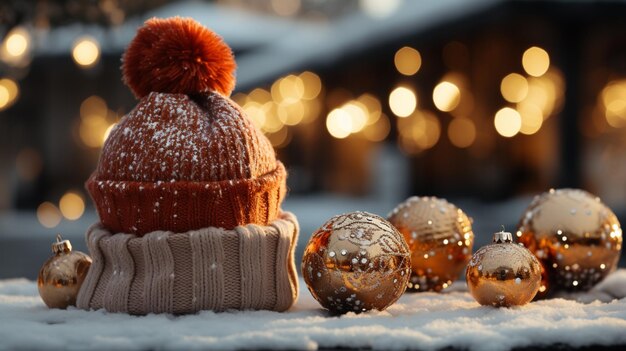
pixel 187 156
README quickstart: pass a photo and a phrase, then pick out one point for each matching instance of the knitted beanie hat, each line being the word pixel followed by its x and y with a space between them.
pixel 187 189
pixel 186 157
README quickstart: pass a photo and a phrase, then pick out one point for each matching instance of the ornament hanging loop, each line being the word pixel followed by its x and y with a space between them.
pixel 502 237
pixel 61 246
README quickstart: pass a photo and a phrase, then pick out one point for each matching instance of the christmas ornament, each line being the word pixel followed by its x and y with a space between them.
pixel 62 275
pixel 440 238
pixel 503 273
pixel 544 286
pixel 577 237
pixel 356 262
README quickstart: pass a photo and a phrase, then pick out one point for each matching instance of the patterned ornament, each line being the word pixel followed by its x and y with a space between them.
pixel 504 273
pixel 576 237
pixel 356 262
pixel 440 238
pixel 62 275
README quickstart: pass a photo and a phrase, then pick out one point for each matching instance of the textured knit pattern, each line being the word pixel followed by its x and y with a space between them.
pixel 202 158
pixel 249 267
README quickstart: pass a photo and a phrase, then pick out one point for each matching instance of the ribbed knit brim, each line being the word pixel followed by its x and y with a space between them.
pixel 142 207
pixel 250 267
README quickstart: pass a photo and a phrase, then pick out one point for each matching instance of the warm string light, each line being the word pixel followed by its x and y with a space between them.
pixel 359 116
pixel 462 132
pixel 537 97
pixel 86 52
pixel 9 92
pixel 402 101
pixel 446 96
pixel 612 100
pixel 507 122
pixel 71 207
pixel 536 61
pixel 418 132
pixel 48 215
pixel 408 61
pixel 96 121
pixel 16 47
pixel 291 101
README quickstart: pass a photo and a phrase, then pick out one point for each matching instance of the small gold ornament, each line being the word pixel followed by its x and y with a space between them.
pixel 62 275
pixel 440 238
pixel 503 273
pixel 356 262
pixel 577 238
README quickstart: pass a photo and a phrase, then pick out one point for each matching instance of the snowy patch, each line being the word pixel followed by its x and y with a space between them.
pixel 426 321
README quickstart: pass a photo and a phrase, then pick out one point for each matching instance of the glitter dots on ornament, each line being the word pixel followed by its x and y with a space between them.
pixel 440 238
pixel 356 262
pixel 577 238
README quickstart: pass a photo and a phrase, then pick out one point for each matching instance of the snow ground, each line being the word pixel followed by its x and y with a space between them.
pixel 425 321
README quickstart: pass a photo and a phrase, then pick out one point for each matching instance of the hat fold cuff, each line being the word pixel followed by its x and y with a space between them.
pixel 249 267
pixel 178 206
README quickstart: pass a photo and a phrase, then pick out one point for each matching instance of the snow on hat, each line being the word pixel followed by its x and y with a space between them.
pixel 188 190
pixel 187 156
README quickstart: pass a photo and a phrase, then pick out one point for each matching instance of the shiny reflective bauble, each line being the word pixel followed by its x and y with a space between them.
pixel 440 238
pixel 544 287
pixel 61 277
pixel 576 237
pixel 503 274
pixel 356 262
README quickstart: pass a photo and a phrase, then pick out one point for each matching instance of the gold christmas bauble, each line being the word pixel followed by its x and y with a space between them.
pixel 504 273
pixel 576 237
pixel 356 262
pixel 440 238
pixel 62 275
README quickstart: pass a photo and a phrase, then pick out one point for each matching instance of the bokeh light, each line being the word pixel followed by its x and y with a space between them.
pixel 17 42
pixel 86 52
pixel 358 115
pixel 514 87
pixel 290 89
pixel 418 132
pixel 93 105
pixel 379 130
pixel 280 138
pixel 507 122
pixel 92 129
pixel 48 215
pixel 312 85
pixel 291 114
pixel 613 100
pixel 408 61
pixel 339 123
pixel 532 118
pixel 16 46
pixel 536 61
pixel 402 101
pixel 446 96
pixel 462 132
pixel 72 205
pixel 9 91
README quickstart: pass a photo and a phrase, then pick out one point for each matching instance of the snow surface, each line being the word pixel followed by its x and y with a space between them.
pixel 425 321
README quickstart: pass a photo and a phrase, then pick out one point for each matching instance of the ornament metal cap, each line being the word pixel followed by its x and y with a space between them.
pixel 61 246
pixel 502 237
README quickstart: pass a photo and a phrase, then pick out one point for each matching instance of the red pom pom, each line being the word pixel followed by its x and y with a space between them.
pixel 178 55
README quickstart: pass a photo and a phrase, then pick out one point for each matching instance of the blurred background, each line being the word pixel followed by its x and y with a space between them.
pixel 486 103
